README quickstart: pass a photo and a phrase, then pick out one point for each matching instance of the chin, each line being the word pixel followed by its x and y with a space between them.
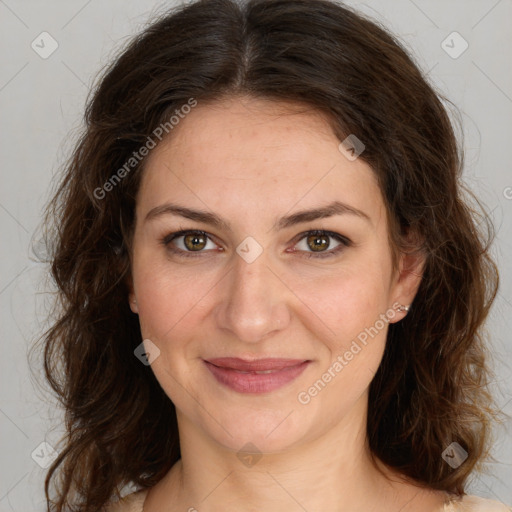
pixel 269 430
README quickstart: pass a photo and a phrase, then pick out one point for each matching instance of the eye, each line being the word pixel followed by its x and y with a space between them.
pixel 186 243
pixel 316 244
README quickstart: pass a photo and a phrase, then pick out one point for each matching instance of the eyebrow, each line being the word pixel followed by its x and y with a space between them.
pixel 330 210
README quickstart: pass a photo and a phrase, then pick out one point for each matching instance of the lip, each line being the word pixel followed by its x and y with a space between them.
pixel 240 374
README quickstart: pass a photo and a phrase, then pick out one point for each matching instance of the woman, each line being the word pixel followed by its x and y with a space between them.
pixel 272 284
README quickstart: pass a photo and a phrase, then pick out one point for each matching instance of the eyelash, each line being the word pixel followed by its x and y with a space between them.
pixel 344 242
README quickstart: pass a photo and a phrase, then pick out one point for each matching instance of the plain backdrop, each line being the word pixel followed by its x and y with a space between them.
pixel 42 100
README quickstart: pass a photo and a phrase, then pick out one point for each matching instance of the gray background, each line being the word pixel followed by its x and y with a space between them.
pixel 41 104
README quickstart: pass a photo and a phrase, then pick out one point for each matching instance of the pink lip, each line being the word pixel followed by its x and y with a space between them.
pixel 240 375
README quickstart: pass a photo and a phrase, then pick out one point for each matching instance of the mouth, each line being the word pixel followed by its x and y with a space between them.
pixel 257 376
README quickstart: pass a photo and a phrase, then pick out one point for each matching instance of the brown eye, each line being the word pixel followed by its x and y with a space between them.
pixel 318 243
pixel 315 244
pixel 189 243
pixel 194 241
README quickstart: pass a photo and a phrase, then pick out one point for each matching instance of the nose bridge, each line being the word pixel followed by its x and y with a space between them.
pixel 253 303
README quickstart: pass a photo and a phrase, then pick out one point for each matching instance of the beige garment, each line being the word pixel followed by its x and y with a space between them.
pixel 135 503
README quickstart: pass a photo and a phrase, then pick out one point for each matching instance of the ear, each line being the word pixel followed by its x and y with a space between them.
pixel 407 281
pixel 131 295
pixel 133 303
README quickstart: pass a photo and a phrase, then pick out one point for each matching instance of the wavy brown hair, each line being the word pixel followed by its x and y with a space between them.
pixel 431 388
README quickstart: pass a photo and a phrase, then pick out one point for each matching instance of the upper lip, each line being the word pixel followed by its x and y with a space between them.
pixel 255 365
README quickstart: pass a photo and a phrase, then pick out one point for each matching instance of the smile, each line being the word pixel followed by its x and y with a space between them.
pixel 260 376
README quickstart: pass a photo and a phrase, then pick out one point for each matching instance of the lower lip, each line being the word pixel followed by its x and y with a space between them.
pixel 256 382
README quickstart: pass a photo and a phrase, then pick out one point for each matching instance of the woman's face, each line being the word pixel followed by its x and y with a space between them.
pixel 250 282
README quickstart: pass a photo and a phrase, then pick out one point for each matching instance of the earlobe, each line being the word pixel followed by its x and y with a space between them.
pixel 133 303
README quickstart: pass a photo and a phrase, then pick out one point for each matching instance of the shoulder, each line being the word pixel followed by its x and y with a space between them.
pixel 476 504
pixel 133 502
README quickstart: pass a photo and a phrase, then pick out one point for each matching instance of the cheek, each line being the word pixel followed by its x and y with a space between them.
pixel 342 301
pixel 167 301
pixel 348 300
pixel 354 308
pixel 170 311
pixel 353 304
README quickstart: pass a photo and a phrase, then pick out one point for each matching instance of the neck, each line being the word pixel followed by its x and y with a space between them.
pixel 334 471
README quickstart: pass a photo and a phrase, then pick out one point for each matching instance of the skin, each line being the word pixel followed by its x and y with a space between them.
pixel 251 162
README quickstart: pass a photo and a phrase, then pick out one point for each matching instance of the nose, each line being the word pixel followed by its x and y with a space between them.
pixel 253 303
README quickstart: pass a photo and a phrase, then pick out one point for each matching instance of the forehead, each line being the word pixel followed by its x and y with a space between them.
pixel 253 154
